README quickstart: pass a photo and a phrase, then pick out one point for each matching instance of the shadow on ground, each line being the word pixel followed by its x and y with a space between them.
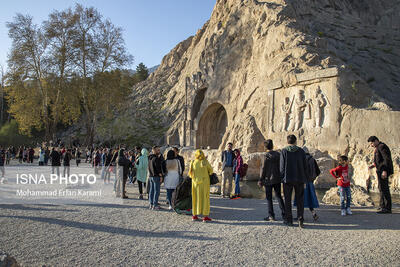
pixel 113 229
pixel 251 212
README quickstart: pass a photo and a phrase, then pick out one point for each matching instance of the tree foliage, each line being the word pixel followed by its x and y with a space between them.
pixel 141 72
pixel 64 69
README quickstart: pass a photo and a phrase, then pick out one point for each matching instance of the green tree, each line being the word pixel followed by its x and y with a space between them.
pixel 64 70
pixel 9 135
pixel 141 72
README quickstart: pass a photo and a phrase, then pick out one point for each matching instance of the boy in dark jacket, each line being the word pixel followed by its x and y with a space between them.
pixel 270 178
pixel 293 169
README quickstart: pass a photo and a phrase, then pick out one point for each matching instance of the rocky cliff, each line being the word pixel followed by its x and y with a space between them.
pixel 324 70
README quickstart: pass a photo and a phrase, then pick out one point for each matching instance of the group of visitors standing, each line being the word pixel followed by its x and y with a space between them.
pixel 296 169
pixel 232 170
pixel 150 171
pixel 292 168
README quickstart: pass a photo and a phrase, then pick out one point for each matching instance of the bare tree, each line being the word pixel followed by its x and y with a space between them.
pixel 27 63
pixel 60 29
pixel 99 47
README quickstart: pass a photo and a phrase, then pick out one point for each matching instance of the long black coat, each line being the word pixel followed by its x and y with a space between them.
pixel 383 159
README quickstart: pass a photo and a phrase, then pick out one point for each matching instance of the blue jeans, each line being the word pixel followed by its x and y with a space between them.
pixel 345 192
pixel 103 172
pixel 237 183
pixel 154 192
pixel 169 195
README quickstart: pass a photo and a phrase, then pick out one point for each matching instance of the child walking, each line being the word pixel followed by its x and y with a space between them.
pixel 341 173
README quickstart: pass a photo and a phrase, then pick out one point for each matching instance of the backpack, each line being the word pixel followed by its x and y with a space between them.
pixel 243 170
pixel 313 169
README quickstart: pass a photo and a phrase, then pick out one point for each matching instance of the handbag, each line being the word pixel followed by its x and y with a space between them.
pixel 213 179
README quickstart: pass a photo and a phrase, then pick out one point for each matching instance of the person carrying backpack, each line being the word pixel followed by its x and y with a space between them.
pixel 310 197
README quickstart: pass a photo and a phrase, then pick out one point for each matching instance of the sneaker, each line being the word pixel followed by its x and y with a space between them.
pixel 343 213
pixel 151 207
pixel 169 207
pixel 270 219
pixel 301 224
pixel 348 211
pixel 207 219
pixel 195 218
pixel 157 208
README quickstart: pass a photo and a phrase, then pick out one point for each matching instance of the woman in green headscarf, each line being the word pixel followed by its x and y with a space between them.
pixel 200 171
pixel 142 166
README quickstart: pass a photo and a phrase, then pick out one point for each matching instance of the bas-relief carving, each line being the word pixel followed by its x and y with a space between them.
pixel 304 108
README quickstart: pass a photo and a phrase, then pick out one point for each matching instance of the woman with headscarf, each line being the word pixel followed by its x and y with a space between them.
pixel 142 166
pixel 172 178
pixel 310 197
pixel 237 165
pixel 200 171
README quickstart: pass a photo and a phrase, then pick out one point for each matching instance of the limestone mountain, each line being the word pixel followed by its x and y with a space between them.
pixel 324 70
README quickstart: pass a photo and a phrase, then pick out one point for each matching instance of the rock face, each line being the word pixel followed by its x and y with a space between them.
pixel 359 197
pixel 326 71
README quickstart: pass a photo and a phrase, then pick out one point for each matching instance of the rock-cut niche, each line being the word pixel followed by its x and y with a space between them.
pixel 212 127
pixel 198 100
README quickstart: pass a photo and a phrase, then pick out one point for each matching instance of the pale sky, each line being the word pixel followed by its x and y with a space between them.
pixel 152 27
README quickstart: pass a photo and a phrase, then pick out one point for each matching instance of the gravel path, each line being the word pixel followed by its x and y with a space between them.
pixel 129 234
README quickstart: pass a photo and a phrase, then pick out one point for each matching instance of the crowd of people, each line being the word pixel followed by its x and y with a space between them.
pixel 292 168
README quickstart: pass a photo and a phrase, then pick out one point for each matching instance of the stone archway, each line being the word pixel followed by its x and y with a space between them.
pixel 198 100
pixel 212 127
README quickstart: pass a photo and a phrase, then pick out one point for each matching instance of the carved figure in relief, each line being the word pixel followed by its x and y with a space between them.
pixel 300 105
pixel 319 103
pixel 286 108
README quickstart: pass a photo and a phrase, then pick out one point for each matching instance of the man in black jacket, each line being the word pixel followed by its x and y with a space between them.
pixel 293 169
pixel 270 178
pixel 384 168
pixel 181 160
pixel 122 171
pixel 157 170
pixel 55 157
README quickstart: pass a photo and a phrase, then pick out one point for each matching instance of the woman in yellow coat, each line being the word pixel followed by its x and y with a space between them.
pixel 199 172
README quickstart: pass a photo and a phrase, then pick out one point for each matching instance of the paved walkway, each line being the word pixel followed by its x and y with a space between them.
pixel 129 234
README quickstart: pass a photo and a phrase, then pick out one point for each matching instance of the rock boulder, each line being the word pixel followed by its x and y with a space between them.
pixel 359 197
